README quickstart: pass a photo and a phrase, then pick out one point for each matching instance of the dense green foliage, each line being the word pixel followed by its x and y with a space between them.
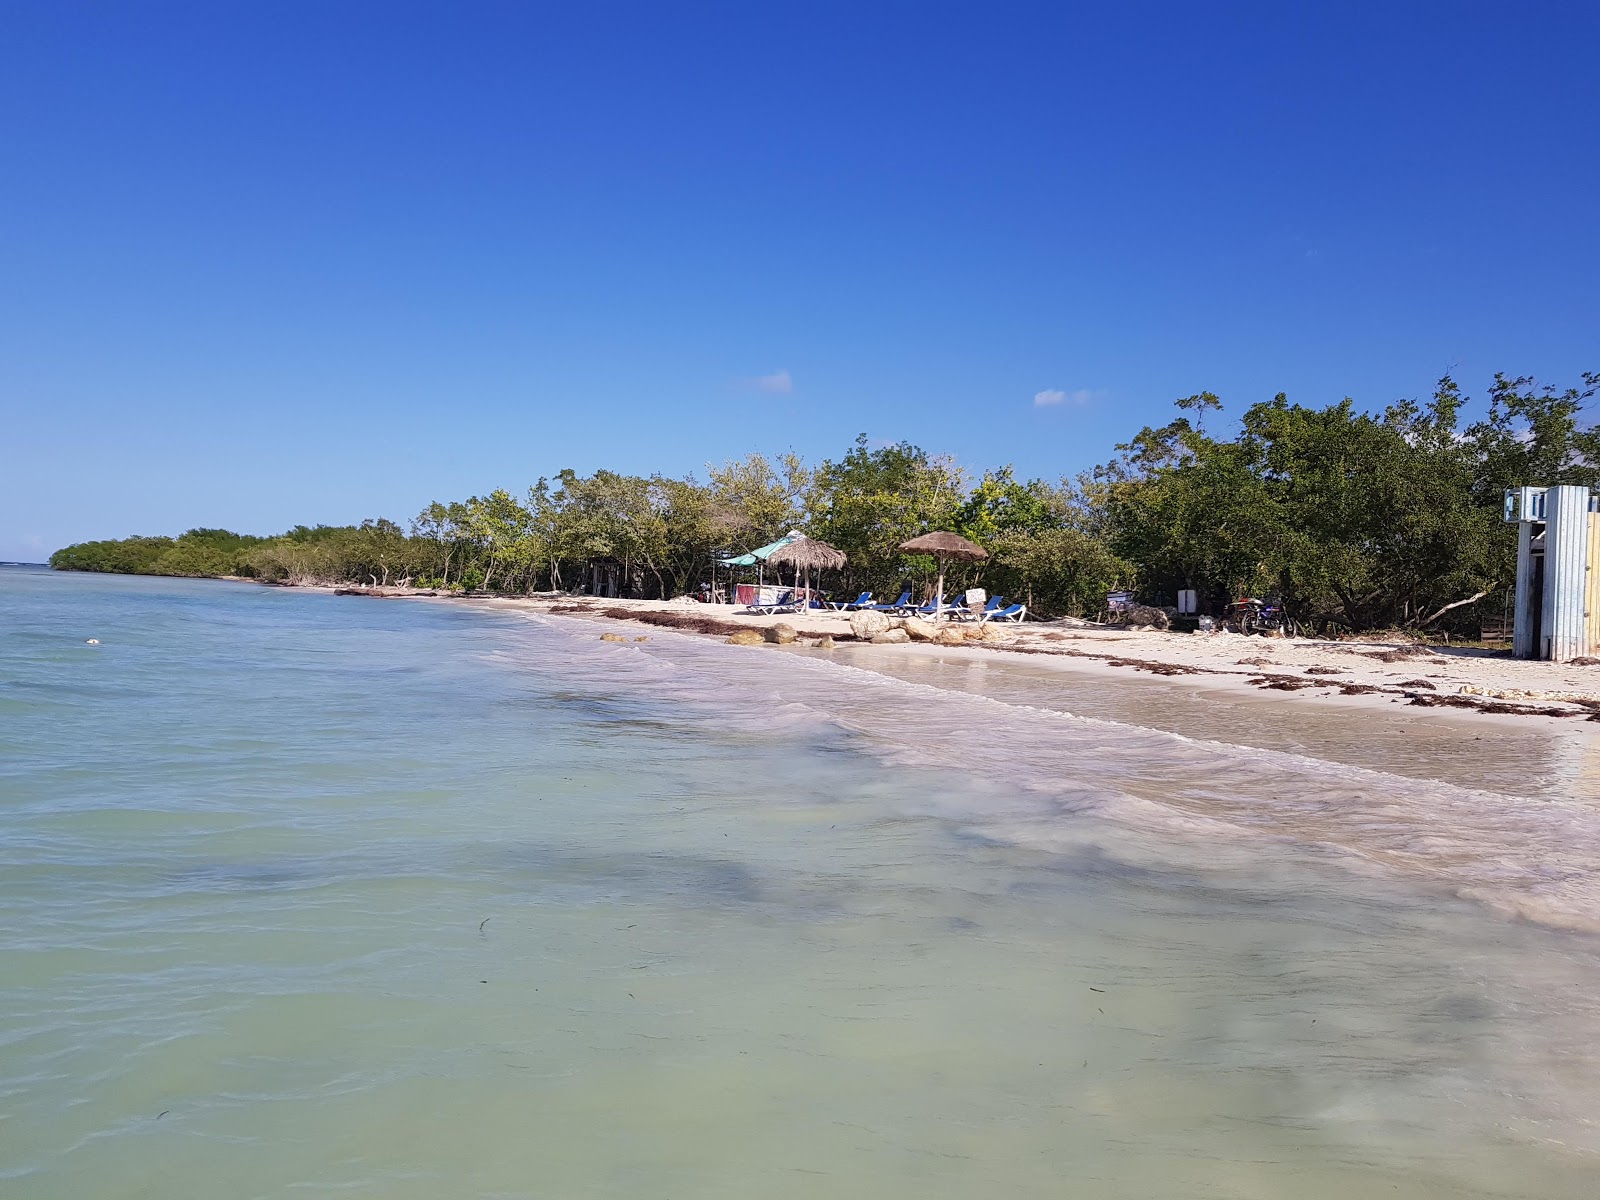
pixel 200 552
pixel 1354 520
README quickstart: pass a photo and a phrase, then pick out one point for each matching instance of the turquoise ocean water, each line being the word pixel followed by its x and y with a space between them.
pixel 304 895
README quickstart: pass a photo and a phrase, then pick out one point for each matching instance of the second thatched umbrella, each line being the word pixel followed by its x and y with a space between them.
pixel 944 547
pixel 807 554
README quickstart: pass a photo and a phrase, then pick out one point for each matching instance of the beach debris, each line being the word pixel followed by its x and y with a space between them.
pixel 1147 615
pixel 613 637
pixel 1417 683
pixel 1257 661
pixel 688 622
pixel 1284 683
pixel 1490 706
pixel 782 634
pixel 746 637
pixel 826 643
pixel 919 630
pixel 1583 661
pixel 1319 670
pixel 890 637
pixel 866 623
pixel 1158 668
pixel 1402 653
pixel 1468 689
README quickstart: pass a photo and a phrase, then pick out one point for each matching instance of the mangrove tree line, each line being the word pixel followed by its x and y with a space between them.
pixel 1354 520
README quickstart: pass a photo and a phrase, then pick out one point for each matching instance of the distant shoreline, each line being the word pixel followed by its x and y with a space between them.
pixel 1445 681
pixel 1369 673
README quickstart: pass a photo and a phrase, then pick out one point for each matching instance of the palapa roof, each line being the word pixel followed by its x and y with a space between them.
pixel 945 545
pixel 808 552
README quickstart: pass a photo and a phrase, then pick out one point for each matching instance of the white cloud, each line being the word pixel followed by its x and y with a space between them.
pixel 779 382
pixel 1051 397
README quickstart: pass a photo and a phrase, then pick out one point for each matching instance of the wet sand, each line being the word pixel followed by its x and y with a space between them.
pixel 1375 676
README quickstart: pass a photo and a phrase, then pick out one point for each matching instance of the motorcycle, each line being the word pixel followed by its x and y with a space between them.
pixel 1253 615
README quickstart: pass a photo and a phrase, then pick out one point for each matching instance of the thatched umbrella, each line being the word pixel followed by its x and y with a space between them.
pixel 806 553
pixel 944 546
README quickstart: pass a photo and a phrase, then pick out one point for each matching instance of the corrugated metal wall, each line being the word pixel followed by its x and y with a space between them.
pixel 1591 598
pixel 1522 622
pixel 1566 573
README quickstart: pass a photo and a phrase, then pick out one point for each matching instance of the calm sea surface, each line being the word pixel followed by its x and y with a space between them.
pixel 304 895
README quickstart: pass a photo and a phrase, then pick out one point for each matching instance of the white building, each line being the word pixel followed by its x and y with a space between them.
pixel 1558 588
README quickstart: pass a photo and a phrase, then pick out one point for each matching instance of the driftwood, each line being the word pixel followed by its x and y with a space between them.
pixel 1423 624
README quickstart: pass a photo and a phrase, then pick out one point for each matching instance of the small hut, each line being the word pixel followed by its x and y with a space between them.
pixel 807 554
pixel 944 547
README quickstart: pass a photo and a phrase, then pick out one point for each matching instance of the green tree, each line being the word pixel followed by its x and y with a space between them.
pixel 871 500
pixel 764 499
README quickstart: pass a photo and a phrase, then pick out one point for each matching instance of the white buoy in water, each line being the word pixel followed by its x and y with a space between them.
pixel 92 642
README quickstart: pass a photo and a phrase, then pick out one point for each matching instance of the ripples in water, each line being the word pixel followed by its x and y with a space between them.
pixel 412 900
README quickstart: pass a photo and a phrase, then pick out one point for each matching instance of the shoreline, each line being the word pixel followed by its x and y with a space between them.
pixel 1441 681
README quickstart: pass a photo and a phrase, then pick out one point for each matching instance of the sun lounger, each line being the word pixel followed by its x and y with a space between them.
pixel 903 602
pixel 862 601
pixel 1015 613
pixel 931 608
pixel 785 604
pixel 996 603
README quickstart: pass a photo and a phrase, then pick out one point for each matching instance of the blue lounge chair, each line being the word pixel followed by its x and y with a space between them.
pixel 996 603
pixel 862 601
pixel 785 603
pixel 931 608
pixel 903 602
pixel 1015 613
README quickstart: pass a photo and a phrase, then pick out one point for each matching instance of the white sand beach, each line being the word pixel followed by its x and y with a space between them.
pixel 1442 678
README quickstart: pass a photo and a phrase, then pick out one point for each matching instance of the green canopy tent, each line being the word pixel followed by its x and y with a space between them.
pixel 758 557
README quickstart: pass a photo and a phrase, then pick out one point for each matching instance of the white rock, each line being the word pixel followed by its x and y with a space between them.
pixel 866 623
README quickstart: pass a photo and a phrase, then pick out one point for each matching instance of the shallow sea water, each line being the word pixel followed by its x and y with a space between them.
pixel 307 895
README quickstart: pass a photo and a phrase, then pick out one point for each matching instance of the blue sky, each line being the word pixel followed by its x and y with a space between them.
pixel 264 264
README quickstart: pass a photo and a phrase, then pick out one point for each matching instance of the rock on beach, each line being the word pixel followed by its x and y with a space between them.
pixel 867 624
